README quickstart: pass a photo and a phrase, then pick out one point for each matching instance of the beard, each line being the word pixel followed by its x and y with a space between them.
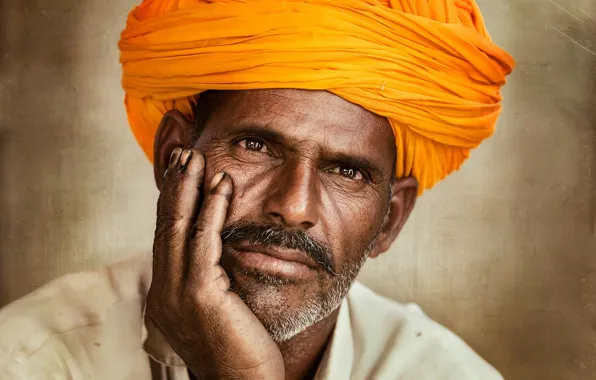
pixel 284 307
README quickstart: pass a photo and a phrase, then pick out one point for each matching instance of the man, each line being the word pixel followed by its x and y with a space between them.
pixel 322 123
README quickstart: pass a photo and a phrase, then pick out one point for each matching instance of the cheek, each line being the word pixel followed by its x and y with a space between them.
pixel 352 222
pixel 249 183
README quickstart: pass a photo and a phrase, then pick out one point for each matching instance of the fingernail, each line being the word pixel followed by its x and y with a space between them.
pixel 185 159
pixel 175 156
pixel 216 180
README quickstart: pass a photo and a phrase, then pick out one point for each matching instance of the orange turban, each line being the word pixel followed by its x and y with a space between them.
pixel 429 66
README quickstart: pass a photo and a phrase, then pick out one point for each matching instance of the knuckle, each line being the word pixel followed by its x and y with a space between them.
pixel 223 283
pixel 198 229
pixel 203 231
pixel 179 224
pixel 201 297
pixel 166 241
pixel 172 218
pixel 166 215
pixel 171 225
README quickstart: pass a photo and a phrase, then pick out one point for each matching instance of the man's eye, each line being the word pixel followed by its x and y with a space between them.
pixel 254 145
pixel 349 173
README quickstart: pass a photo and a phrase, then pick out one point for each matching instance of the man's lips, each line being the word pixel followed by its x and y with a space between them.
pixel 289 264
pixel 278 253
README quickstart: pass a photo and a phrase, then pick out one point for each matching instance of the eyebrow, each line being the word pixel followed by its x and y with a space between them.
pixel 262 131
pixel 349 160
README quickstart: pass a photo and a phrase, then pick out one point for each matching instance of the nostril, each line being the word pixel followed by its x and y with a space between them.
pixel 277 217
pixel 308 225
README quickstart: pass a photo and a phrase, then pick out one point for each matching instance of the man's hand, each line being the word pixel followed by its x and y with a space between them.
pixel 189 300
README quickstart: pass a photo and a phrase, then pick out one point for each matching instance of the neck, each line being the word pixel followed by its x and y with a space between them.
pixel 302 354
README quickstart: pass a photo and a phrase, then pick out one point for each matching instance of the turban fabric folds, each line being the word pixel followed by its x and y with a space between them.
pixel 429 66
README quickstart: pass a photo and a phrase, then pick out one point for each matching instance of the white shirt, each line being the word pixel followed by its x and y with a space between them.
pixel 90 326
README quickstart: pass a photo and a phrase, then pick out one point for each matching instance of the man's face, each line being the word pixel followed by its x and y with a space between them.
pixel 311 175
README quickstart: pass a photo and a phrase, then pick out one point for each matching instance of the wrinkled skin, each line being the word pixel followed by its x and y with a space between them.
pixel 304 163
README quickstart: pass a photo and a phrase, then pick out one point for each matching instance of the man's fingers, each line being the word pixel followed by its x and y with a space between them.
pixel 159 259
pixel 205 241
pixel 177 209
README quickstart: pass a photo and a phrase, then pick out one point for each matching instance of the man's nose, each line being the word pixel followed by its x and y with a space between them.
pixel 292 199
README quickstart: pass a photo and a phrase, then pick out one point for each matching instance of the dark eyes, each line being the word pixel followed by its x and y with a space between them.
pixel 348 172
pixel 255 145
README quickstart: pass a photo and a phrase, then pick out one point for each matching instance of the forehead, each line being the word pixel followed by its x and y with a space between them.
pixel 303 116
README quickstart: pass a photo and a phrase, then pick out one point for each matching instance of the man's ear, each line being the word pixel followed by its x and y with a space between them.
pixel 403 199
pixel 175 130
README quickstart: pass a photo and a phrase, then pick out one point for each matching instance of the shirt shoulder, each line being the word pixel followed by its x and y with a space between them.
pixel 396 341
pixel 74 325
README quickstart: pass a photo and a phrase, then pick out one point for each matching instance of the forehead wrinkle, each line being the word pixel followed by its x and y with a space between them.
pixel 286 111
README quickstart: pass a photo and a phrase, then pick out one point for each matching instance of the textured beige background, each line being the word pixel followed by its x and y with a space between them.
pixel 502 252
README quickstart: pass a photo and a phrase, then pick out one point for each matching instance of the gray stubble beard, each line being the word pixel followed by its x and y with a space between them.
pixel 313 309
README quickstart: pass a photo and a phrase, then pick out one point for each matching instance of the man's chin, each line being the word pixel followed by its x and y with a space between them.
pixel 284 307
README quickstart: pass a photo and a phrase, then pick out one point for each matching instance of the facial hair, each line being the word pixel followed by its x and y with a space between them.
pixel 269 290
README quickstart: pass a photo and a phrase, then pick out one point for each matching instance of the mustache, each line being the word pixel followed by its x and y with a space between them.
pixel 274 235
